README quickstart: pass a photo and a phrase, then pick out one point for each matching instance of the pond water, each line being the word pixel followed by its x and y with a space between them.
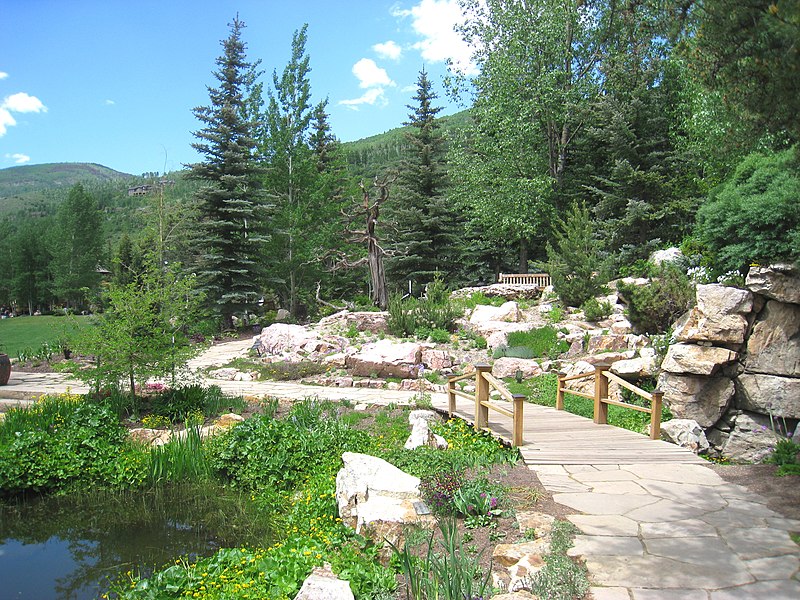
pixel 70 548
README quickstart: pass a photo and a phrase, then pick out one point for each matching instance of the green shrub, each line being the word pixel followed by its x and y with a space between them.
pixel 65 443
pixel 653 308
pixel 402 321
pixel 573 260
pixel 596 311
pixel 434 311
pixel 755 215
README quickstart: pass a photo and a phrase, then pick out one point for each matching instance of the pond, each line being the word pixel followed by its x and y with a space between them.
pixel 70 548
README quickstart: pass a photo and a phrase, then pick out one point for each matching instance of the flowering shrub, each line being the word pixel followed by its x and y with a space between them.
pixel 439 490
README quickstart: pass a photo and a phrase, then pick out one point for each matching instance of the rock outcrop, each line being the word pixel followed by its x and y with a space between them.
pixel 736 367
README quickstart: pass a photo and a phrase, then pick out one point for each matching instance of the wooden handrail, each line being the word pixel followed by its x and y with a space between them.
pixel 484 383
pixel 601 400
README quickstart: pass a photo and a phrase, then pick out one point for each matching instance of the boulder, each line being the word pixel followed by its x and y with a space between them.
pixel 279 338
pixel 514 563
pixel 780 282
pixel 322 584
pixel 509 312
pixel 372 321
pixel 496 332
pixel 607 343
pixel 751 439
pixel 228 420
pixel 669 255
pixel 719 316
pixel 621 325
pixel 697 397
pixel 150 437
pixel 507 367
pixel 282 315
pixel 421 434
pixel 377 499
pixel 698 360
pixel 509 291
pixel 436 359
pixel 609 358
pixel 636 368
pixel 769 395
pixel 774 344
pixel 386 358
pixel 686 433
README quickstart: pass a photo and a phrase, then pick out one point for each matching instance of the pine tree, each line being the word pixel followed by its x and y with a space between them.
pixel 426 222
pixel 229 204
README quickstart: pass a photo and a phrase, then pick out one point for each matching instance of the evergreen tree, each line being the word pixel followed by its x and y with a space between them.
pixel 77 246
pixel 229 205
pixel 426 222
pixel 31 281
pixel 291 180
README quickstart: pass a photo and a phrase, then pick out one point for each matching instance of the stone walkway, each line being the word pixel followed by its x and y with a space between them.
pixel 648 531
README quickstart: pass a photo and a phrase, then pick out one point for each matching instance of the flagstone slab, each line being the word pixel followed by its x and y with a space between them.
pixel 602 476
pixel 556 484
pixel 774 567
pixel 665 510
pixel 661 573
pixel 618 487
pixel 700 551
pixel 768 590
pixel 756 506
pixel 677 473
pixel 687 493
pixel 605 525
pixel 679 594
pixel 609 593
pixel 685 528
pixel 759 542
pixel 603 504
pixel 610 545
pixel 733 518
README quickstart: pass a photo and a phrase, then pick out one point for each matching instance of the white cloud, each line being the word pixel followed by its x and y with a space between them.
pixel 409 88
pixel 19 159
pixel 3 75
pixel 434 21
pixel 370 75
pixel 6 121
pixel 23 103
pixel 109 103
pixel 372 96
pixel 390 50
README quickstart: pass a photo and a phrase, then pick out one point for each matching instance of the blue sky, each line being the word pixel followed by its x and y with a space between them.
pixel 114 81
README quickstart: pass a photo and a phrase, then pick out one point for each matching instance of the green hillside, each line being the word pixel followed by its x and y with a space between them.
pixel 16 181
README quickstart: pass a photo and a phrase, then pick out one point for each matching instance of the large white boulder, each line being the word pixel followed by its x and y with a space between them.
pixel 780 282
pixel 386 358
pixel 718 317
pixel 669 255
pixel 769 395
pixel 377 499
pixel 686 433
pixel 699 360
pixel 322 584
pixel 773 347
pixel 280 338
pixel 704 399
pixel 421 434
pixel 508 367
pixel 508 312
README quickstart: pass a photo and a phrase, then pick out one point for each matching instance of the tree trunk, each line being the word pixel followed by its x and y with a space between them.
pixel 523 256
pixel 380 294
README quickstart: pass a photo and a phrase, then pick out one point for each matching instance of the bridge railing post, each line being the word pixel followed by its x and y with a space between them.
pixel 600 394
pixel 655 414
pixel 519 402
pixel 560 391
pixel 481 396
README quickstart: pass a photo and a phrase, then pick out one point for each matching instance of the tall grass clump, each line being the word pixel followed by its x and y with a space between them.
pixel 182 459
pixel 433 311
pixel 536 343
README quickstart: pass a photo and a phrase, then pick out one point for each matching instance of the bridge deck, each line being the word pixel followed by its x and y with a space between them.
pixel 556 437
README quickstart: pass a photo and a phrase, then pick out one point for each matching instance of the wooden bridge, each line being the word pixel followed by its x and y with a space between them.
pixel 546 436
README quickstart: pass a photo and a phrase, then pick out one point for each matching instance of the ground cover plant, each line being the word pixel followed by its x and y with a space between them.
pixel 536 343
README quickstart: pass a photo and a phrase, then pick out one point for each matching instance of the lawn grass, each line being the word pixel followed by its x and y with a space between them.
pixel 22 333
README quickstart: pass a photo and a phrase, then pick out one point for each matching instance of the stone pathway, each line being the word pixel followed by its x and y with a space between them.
pixel 648 531
pixel 675 532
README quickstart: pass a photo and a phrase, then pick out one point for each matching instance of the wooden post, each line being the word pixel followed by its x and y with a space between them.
pixel 451 398
pixel 655 414
pixel 600 394
pixel 481 396
pixel 519 401
pixel 560 391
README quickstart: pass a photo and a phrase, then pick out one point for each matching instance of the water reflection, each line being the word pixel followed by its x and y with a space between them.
pixel 69 548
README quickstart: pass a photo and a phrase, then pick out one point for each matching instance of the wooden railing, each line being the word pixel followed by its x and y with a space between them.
pixel 538 279
pixel 484 383
pixel 602 377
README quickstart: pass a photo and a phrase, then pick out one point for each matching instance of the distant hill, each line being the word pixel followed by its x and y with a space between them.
pixel 16 181
pixel 36 189
pixel 373 154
